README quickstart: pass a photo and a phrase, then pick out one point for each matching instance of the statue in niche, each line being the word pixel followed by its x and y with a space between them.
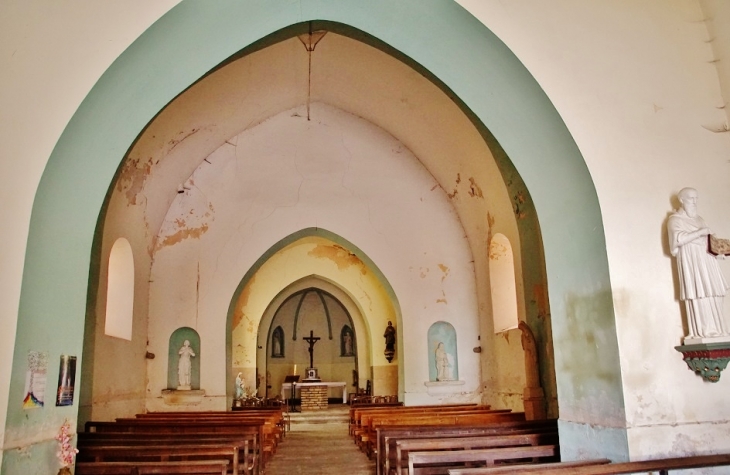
pixel 277 343
pixel 389 342
pixel 347 347
pixel 239 387
pixel 702 286
pixel 443 363
pixel 184 366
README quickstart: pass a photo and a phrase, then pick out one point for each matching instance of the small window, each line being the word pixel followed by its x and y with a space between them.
pixel 502 279
pixel 120 291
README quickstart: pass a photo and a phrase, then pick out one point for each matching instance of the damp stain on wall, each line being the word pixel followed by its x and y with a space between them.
pixel 180 235
pixel 497 250
pixel 133 176
pixel 474 190
pixel 342 258
pixel 238 314
pixel 445 271
pixel 181 137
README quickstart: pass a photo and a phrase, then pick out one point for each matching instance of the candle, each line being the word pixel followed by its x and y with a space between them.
pixel 295 369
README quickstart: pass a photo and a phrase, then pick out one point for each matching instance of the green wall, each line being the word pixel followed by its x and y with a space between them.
pixel 444 39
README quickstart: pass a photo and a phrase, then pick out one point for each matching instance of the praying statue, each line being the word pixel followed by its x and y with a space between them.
pixel 389 342
pixel 239 387
pixel 442 363
pixel 184 366
pixel 702 286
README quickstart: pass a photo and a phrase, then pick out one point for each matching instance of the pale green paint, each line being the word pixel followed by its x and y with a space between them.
pixel 196 36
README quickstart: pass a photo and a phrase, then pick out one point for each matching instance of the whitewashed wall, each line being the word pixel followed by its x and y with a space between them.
pixel 631 79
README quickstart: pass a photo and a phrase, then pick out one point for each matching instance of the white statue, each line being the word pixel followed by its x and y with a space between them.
pixel 184 366
pixel 442 363
pixel 702 286
pixel 239 387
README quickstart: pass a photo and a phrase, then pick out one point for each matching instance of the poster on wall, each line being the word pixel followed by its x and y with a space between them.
pixel 35 379
pixel 66 381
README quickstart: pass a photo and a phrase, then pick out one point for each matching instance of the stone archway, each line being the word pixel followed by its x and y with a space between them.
pixel 120 106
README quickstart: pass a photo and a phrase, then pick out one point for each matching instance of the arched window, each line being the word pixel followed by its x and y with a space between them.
pixel 502 279
pixel 120 291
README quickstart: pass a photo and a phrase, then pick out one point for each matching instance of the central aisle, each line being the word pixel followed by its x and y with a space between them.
pixel 315 448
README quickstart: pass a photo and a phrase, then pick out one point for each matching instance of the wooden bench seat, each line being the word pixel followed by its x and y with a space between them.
pixel 248 438
pixel 205 467
pixel 369 440
pixel 165 453
pixel 387 437
pixel 663 466
pixel 531 468
pixel 439 462
pixel 405 446
pixel 365 413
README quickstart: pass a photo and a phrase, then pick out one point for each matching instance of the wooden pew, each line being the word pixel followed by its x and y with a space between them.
pixel 662 466
pixel 262 450
pixel 532 468
pixel 275 416
pixel 439 416
pixel 165 453
pixel 357 413
pixel 205 467
pixel 406 446
pixel 387 437
pixel 248 451
pixel 464 419
pixel 439 462
pixel 355 407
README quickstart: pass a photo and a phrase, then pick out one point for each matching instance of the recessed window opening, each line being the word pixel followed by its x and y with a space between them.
pixel 504 288
pixel 120 291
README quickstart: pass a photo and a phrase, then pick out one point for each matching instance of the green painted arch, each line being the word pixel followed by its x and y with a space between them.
pixel 191 40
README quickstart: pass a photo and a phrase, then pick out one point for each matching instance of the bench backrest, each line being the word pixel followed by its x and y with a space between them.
pixel 406 446
pixel 439 461
pixel 206 467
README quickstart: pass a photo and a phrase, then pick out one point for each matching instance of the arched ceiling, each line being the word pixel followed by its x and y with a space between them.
pixel 345 73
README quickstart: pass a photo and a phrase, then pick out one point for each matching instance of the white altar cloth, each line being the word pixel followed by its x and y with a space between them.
pixel 286 387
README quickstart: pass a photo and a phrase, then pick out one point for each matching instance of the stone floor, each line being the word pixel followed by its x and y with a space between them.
pixel 318 443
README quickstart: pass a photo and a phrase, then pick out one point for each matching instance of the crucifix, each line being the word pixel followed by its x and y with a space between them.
pixel 311 339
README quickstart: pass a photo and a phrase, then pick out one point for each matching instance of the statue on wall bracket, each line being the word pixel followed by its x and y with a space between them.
pixel 389 336
pixel 702 288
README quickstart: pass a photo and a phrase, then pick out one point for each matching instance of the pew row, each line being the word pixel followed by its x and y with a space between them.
pixel 205 467
pixel 387 437
pixel 439 462
pixel 663 466
pixel 406 446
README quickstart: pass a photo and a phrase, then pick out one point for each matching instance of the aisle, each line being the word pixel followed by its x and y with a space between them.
pixel 315 449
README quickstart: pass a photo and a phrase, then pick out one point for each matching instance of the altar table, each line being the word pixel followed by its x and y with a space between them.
pixel 286 387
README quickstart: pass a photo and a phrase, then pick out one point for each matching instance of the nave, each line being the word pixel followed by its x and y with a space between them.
pixel 318 443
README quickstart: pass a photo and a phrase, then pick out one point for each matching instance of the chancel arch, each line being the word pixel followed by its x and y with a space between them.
pixel 487 128
pixel 322 265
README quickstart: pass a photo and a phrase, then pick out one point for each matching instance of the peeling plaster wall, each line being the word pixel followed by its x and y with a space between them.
pixel 603 64
pixel 641 127
pixel 337 172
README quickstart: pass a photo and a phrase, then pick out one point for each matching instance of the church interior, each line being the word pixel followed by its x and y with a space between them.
pixel 439 203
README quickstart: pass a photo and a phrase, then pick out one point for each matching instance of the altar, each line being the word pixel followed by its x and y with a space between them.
pixel 286 388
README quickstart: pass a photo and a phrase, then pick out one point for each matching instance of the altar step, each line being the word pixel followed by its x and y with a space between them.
pixel 337 414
